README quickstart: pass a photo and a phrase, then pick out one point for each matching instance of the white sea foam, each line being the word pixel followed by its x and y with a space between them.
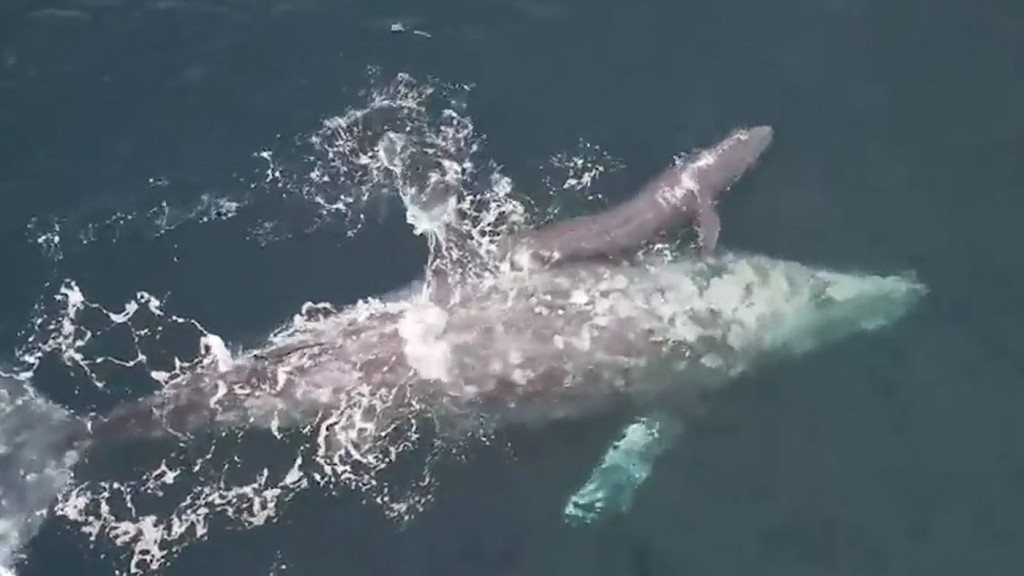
pixel 405 146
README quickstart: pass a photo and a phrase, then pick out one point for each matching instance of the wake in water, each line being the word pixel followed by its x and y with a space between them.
pixel 411 144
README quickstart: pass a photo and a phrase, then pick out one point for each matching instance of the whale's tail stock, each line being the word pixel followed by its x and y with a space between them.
pixel 40 442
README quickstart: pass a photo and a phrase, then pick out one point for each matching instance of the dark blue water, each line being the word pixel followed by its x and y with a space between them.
pixel 899 134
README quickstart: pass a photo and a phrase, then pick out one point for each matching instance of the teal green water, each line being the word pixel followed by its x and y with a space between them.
pixel 899 133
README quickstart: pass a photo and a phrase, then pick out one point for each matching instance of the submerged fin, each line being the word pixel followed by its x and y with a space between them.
pixel 681 194
pixel 626 465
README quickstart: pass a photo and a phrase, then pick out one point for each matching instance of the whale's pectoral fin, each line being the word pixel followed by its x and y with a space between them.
pixel 625 466
pixel 711 172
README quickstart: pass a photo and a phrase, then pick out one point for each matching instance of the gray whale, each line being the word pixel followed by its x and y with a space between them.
pixel 581 323
pixel 581 319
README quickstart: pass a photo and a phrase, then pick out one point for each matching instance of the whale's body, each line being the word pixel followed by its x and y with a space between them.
pixel 535 346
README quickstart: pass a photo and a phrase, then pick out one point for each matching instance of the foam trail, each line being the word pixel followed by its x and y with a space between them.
pixel 36 460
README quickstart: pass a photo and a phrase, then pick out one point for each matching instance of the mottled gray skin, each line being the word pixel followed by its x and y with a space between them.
pixel 583 252
pixel 524 349
pixel 679 195
pixel 535 346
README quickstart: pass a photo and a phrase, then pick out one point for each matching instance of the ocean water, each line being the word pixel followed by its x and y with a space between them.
pixel 179 148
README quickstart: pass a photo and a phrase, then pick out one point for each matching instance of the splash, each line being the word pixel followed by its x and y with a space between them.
pixel 413 146
pixel 571 177
pixel 410 146
pixel 165 505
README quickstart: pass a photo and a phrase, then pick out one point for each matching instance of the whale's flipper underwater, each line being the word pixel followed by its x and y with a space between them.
pixel 578 324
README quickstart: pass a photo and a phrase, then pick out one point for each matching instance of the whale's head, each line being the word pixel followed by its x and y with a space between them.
pixel 765 304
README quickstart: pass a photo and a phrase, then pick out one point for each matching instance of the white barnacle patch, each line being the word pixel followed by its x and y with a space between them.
pixel 495 366
pixel 515 357
pixel 579 297
pixel 523 259
pixel 602 309
pixel 422 327
pixel 583 341
pixel 712 360
pixel 623 308
pixel 725 293
pixel 559 342
pixel 738 334
pixel 520 376
pixel 613 283
pixel 280 378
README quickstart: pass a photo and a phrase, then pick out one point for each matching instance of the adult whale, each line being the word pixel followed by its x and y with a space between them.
pixel 593 326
